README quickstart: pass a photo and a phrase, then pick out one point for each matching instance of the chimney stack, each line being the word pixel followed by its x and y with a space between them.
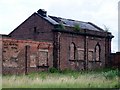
pixel 42 12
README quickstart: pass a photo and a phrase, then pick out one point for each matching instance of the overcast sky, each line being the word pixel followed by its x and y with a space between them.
pixel 99 12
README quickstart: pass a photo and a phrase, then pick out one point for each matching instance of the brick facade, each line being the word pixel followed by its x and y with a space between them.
pixel 115 60
pixel 89 51
pixel 41 42
pixel 24 56
pixel 35 28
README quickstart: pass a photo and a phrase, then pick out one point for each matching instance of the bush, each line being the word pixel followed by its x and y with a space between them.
pixel 77 27
pixel 67 71
pixel 60 26
pixel 53 70
pixel 110 74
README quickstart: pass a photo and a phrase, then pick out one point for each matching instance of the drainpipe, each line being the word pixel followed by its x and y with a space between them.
pixel 85 50
pixel 26 58
pixel 56 50
pixel 59 35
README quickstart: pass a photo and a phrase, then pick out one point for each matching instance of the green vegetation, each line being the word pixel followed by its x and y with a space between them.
pixel 106 28
pixel 60 26
pixel 53 70
pixel 77 27
pixel 107 78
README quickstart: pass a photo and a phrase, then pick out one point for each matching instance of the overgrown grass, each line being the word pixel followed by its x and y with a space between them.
pixel 107 78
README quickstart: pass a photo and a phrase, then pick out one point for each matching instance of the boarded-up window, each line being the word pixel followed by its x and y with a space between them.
pixel 43 57
pixel 10 56
pixel 80 54
pixel 33 61
pixel 12 62
pixel 97 52
pixel 90 55
pixel 72 51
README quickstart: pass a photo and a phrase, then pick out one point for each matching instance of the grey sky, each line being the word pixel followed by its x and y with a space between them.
pixel 100 12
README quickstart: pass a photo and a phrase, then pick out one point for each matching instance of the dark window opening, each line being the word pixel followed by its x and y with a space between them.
pixel 35 30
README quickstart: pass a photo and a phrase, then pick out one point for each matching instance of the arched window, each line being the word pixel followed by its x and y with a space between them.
pixel 97 52
pixel 72 51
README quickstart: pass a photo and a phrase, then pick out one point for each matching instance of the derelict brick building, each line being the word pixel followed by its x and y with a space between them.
pixel 67 44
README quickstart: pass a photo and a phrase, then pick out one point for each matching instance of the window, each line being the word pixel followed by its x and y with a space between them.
pixel 35 29
pixel 32 60
pixel 10 56
pixel 72 51
pixel 90 55
pixel 80 54
pixel 43 57
pixel 97 52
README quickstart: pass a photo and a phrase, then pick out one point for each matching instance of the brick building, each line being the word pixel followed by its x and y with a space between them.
pixel 48 41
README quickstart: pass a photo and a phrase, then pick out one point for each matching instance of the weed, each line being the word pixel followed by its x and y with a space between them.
pixel 106 78
pixel 53 70
pixel 77 27
pixel 110 74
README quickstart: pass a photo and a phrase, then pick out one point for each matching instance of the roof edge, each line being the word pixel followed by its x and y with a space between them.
pixel 95 26
pixel 79 33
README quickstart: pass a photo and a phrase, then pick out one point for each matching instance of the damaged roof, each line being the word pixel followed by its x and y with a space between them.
pixel 72 23
pixel 68 22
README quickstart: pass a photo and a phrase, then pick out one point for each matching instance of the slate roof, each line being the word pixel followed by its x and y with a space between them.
pixel 71 23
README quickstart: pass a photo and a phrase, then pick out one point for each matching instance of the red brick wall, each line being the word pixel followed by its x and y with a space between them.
pixel 16 55
pixel 38 29
pixel 115 59
pixel 64 42
pixel 27 29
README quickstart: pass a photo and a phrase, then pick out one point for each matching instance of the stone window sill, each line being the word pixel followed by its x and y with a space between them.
pixel 42 66
pixel 77 60
pixel 94 61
